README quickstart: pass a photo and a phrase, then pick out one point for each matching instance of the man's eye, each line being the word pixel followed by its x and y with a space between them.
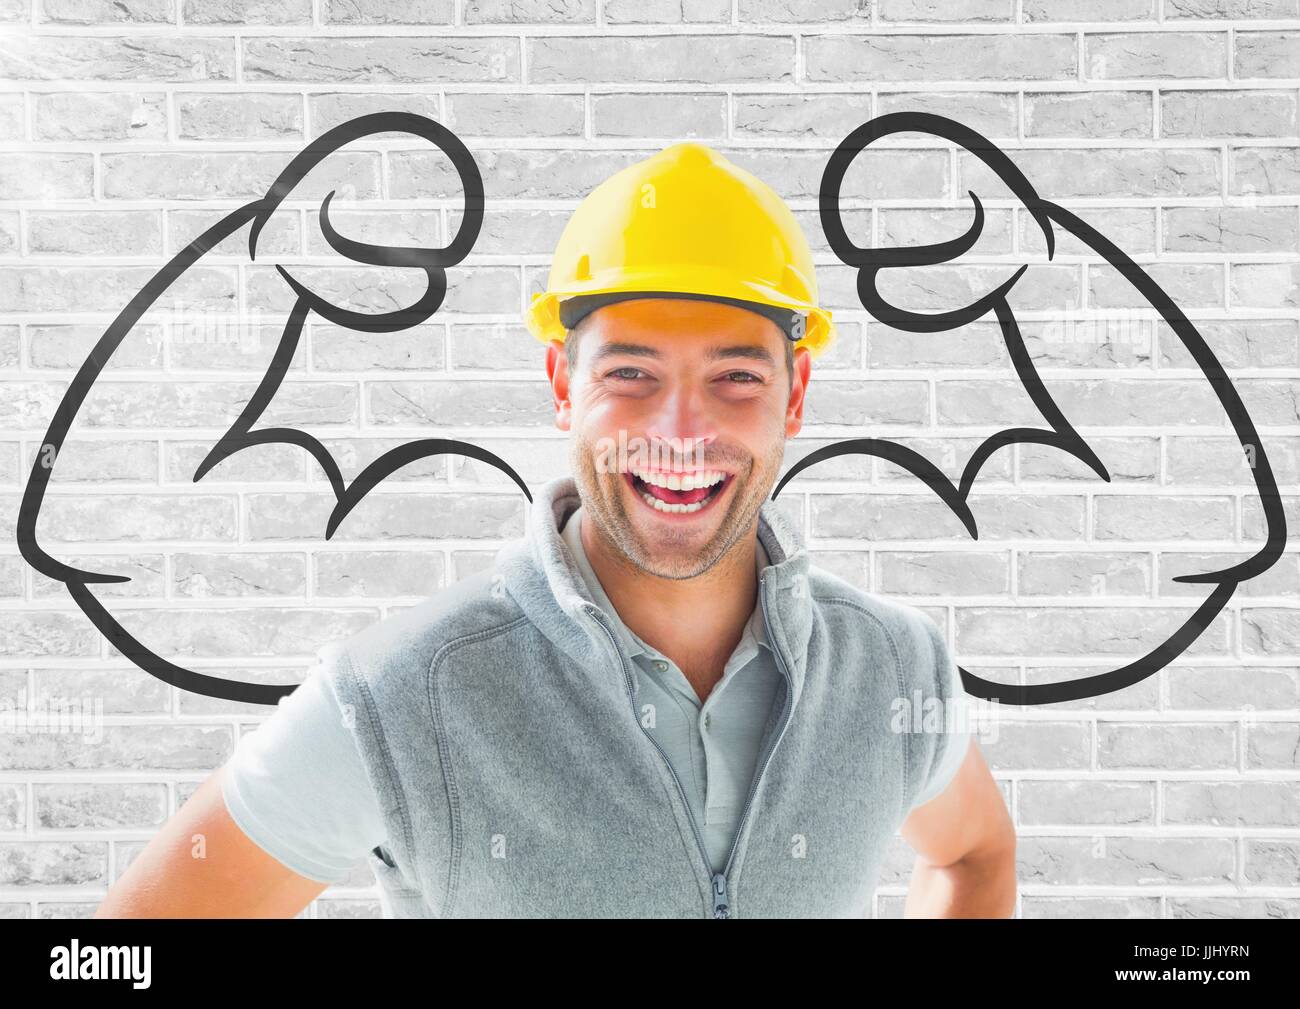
pixel 742 376
pixel 623 373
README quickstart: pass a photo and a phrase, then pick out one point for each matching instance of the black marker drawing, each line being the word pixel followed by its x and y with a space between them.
pixel 869 262
pixel 1060 434
pixel 244 432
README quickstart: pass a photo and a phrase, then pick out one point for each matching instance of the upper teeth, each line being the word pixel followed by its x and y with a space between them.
pixel 682 481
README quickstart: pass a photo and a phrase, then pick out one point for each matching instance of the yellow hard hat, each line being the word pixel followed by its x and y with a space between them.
pixel 685 221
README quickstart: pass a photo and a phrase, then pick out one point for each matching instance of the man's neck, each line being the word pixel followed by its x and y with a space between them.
pixel 697 622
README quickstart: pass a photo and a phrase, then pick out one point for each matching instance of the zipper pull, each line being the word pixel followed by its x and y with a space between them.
pixel 720 896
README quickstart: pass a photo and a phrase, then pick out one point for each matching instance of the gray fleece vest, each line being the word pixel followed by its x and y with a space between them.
pixel 497 726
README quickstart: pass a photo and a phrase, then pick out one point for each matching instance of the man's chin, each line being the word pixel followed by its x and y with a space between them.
pixel 669 535
pixel 676 544
pixel 662 558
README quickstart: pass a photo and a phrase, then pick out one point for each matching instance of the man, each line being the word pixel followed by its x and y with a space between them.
pixel 653 705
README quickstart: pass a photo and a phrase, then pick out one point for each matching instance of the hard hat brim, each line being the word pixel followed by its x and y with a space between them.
pixel 574 310
pixel 546 316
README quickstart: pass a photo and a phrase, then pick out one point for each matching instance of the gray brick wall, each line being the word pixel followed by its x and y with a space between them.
pixel 1171 125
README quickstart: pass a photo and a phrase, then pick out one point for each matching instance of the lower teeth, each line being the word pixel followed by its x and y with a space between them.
pixel 679 509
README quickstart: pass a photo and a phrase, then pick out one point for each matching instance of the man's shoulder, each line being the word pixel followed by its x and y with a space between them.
pixel 828 587
pixel 911 631
pixel 475 607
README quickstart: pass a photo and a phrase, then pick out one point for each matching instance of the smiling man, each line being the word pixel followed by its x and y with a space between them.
pixel 653 705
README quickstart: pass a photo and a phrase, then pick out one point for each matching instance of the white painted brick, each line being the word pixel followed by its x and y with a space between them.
pixel 116 116
pixel 1265 171
pixel 129 128
pixel 1267 54
pixel 380 12
pixel 1155 55
pixel 932 11
pixel 1236 10
pixel 896 58
pixel 1227 113
pixel 548 12
pixel 148 57
pixel 505 114
pixel 992 114
pixel 676 116
pixel 1044 11
pixel 1060 174
pixel 680 59
pixel 102 12
pixel 101 232
pixel 1088 114
pixel 1126 861
pixel 1080 803
pixel 376 60
pixel 785 11
pixel 238 116
pixel 36 176
pixel 253 12
pixel 619 12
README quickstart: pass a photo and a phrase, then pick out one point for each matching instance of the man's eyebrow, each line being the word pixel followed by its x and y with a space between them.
pixel 747 352
pixel 634 349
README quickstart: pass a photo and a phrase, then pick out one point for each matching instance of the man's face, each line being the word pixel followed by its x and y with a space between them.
pixel 679 411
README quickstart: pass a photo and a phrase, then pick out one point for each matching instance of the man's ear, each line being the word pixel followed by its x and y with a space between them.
pixel 557 371
pixel 798 387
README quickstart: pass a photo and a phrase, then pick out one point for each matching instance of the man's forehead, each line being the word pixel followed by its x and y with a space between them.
pixel 709 349
pixel 660 327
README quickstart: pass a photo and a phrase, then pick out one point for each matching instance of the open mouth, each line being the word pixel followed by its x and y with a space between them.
pixel 678 493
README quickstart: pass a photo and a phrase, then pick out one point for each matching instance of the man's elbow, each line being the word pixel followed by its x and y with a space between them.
pixel 990 868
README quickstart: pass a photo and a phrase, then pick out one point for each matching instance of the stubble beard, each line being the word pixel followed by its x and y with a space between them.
pixel 669 555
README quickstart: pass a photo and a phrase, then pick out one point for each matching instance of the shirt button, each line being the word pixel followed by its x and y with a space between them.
pixel 661 665
pixel 706 721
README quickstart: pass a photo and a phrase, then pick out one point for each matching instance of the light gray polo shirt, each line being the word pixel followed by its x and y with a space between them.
pixel 713 745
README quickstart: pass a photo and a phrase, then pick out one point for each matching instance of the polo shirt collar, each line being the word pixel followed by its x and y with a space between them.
pixel 752 638
pixel 541 575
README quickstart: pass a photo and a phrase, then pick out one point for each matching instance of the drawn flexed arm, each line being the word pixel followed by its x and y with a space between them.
pixel 1057 430
pixel 245 431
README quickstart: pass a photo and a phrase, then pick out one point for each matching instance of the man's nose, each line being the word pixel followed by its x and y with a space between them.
pixel 682 417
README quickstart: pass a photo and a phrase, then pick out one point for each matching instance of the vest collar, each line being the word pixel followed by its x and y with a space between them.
pixel 540 575
pixel 754 635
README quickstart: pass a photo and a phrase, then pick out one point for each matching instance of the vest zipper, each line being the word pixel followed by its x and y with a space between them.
pixel 718 880
pixel 695 829
pixel 762 767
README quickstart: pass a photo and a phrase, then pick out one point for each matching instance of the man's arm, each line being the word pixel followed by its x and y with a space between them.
pixel 966 849
pixel 201 865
